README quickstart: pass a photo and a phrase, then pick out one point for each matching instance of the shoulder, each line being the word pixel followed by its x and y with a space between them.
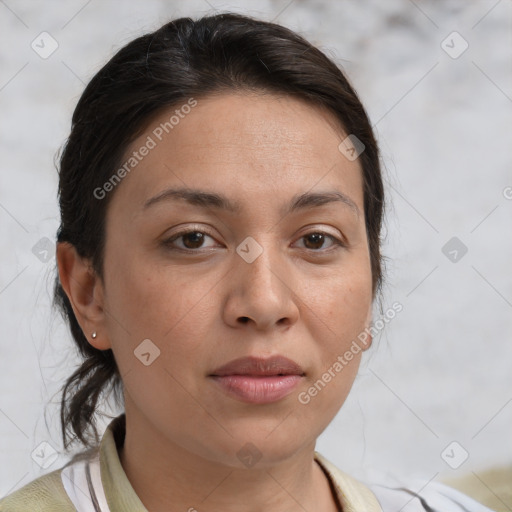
pixel 44 494
pixel 406 496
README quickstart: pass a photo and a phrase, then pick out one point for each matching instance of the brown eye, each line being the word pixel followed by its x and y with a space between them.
pixel 314 241
pixel 191 240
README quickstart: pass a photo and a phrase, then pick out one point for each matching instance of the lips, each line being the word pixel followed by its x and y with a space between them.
pixel 254 366
pixel 258 381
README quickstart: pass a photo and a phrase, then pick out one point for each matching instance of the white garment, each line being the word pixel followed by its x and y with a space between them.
pixel 435 497
pixel 82 482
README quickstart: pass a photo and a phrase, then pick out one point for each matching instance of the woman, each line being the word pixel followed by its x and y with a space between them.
pixel 218 257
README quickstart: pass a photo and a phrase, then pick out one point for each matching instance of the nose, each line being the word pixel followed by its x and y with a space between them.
pixel 261 293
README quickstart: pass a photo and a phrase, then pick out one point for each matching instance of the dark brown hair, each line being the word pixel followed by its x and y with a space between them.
pixel 182 59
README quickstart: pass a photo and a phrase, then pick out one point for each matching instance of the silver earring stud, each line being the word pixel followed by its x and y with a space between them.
pixel 94 335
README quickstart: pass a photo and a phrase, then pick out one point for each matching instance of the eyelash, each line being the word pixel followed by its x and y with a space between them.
pixel 337 243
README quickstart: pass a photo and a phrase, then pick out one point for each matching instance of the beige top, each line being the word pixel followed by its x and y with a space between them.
pixel 99 484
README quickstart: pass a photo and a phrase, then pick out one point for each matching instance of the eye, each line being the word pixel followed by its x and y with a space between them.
pixel 192 239
pixel 315 240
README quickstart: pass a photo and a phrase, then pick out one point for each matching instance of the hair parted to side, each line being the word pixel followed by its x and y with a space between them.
pixel 184 58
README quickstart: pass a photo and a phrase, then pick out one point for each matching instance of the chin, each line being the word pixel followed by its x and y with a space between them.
pixel 253 448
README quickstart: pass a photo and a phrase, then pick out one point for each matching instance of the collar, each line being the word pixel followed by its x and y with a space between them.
pixel 351 494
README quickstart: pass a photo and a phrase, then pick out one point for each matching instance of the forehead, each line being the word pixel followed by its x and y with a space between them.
pixel 247 146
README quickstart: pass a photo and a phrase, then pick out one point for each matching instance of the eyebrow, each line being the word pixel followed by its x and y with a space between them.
pixel 205 199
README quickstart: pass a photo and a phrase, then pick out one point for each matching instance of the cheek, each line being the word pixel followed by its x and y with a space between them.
pixel 165 304
pixel 172 309
pixel 341 305
pixel 340 313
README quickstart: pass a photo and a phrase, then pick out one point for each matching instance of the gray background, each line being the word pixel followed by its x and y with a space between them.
pixel 441 371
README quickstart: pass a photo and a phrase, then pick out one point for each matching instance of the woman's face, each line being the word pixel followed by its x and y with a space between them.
pixel 259 281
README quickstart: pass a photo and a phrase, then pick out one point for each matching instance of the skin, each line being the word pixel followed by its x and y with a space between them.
pixel 301 299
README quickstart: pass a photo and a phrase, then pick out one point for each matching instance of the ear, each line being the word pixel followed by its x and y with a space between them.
pixel 85 293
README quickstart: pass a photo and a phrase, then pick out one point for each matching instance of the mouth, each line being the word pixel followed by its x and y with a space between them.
pixel 257 380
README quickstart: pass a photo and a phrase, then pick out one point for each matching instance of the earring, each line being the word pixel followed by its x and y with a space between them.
pixel 93 335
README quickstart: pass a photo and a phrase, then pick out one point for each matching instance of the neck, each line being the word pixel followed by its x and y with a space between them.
pixel 164 475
